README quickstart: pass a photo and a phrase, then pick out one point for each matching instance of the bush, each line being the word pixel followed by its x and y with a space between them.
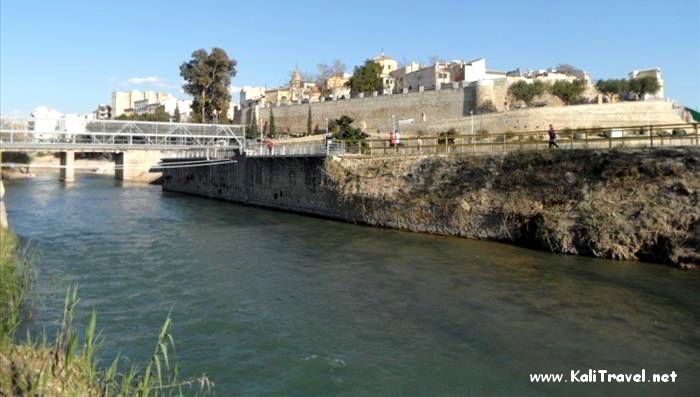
pixel 566 133
pixel 568 91
pixel 486 107
pixel 447 137
pixel 526 92
pixel 679 132
pixel 482 133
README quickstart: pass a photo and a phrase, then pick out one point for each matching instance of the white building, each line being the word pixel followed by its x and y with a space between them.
pixel 103 112
pixel 249 93
pixel 126 101
pixel 389 65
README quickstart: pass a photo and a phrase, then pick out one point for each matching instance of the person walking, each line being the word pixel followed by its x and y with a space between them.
pixel 552 137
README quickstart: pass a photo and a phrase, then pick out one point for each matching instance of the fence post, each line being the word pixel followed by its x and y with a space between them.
pixel 504 142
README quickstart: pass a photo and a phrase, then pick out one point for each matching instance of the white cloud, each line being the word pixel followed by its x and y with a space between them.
pixel 155 80
pixel 150 80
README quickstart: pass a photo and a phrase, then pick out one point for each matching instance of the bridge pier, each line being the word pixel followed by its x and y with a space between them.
pixel 135 165
pixel 67 173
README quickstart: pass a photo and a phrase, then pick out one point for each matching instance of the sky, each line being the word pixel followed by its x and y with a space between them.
pixel 70 55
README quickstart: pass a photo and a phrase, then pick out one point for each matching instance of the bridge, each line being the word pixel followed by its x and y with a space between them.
pixel 136 144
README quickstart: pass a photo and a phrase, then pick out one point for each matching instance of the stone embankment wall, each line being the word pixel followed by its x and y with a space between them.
pixel 632 204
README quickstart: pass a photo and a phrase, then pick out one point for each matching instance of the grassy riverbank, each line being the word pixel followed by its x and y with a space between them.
pixel 68 366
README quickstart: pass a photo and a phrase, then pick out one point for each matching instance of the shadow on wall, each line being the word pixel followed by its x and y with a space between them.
pixel 468 102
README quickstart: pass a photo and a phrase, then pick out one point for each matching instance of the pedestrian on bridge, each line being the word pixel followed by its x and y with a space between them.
pixel 552 137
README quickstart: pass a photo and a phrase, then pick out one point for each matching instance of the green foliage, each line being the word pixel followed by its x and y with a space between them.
pixel 366 78
pixel 482 133
pixel 342 129
pixel 568 91
pixel 612 87
pixel 69 366
pixel 271 129
pixel 526 92
pixel 208 77
pixel 644 85
pixel 177 117
pixel 486 107
pixel 447 137
pixel 16 278
pixel 309 123
pixel 160 115
pixel 571 70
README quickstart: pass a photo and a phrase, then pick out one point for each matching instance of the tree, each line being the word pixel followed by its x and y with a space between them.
pixel 208 77
pixel 612 87
pixel 160 115
pixel 309 126
pixel 571 71
pixel 644 85
pixel 568 91
pixel 342 129
pixel 486 107
pixel 526 92
pixel 271 125
pixel 366 78
pixel 177 116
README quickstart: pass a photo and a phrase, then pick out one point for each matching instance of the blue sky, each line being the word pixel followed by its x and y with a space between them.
pixel 71 55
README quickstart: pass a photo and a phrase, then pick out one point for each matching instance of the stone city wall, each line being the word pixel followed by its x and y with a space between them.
pixel 579 116
pixel 450 108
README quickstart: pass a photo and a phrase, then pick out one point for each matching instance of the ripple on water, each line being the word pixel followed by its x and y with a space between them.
pixel 268 303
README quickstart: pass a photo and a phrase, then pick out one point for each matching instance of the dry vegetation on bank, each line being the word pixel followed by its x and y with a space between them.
pixel 620 204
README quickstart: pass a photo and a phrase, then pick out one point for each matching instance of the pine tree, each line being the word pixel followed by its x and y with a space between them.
pixel 272 124
pixel 176 114
pixel 309 126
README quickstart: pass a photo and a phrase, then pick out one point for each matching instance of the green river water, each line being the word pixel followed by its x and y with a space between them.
pixel 268 303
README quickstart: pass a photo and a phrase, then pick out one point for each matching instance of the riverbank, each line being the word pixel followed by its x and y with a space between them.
pixel 43 163
pixel 619 204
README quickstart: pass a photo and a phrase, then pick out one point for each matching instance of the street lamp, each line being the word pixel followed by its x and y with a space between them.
pixel 471 117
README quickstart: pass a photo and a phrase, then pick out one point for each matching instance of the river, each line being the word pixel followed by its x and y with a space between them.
pixel 267 303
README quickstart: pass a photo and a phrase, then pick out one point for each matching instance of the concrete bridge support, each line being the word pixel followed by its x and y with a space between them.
pixel 135 165
pixel 67 173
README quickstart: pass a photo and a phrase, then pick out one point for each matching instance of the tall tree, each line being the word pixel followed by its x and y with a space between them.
pixel 644 85
pixel 208 77
pixel 571 70
pixel 568 91
pixel 526 92
pixel 366 78
pixel 309 125
pixel 612 87
pixel 176 115
pixel 271 125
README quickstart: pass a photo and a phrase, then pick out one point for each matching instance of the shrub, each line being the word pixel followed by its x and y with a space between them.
pixel 526 92
pixel 482 133
pixel 486 107
pixel 679 132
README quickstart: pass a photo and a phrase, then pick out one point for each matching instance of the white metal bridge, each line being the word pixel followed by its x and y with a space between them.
pixel 61 134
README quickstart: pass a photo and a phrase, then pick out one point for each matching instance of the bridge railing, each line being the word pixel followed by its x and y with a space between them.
pixel 28 132
pixel 684 134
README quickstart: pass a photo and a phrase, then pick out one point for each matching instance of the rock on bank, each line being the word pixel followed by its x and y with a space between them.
pixel 620 204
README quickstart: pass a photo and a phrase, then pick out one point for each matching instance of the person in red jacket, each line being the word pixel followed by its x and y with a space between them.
pixel 552 137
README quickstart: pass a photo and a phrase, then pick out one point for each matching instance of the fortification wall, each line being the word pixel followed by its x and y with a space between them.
pixel 579 116
pixel 374 113
pixel 450 108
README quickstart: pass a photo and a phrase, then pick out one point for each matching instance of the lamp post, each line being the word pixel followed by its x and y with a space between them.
pixel 471 117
